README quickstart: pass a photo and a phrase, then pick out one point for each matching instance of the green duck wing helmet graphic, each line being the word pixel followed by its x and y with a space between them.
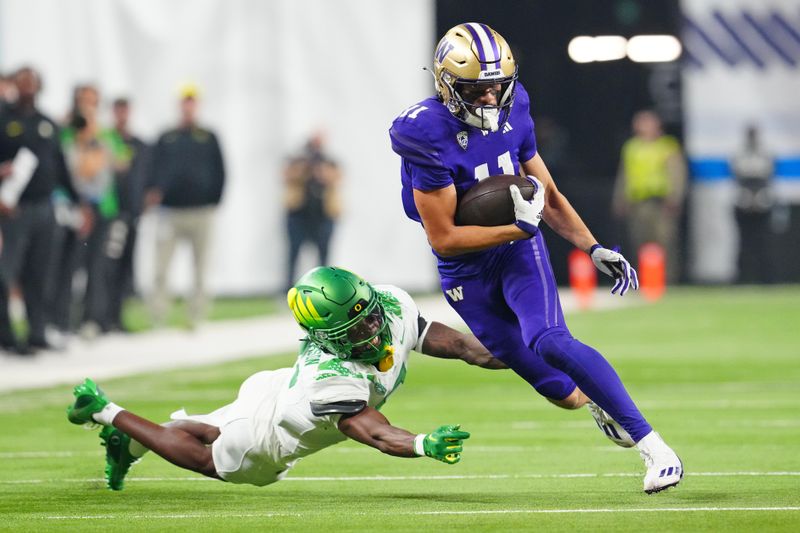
pixel 342 314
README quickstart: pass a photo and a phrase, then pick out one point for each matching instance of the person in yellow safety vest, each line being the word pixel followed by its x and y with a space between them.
pixel 650 188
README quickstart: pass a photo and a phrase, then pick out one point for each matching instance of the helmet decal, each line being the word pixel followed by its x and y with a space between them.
pixel 357 308
pixel 488 53
pixel 443 49
pixel 303 312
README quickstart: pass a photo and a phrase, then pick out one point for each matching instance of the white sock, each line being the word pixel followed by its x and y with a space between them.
pixel 107 415
pixel 137 449
pixel 649 441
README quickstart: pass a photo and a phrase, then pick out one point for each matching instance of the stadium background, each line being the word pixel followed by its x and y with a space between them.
pixel 270 73
pixel 716 369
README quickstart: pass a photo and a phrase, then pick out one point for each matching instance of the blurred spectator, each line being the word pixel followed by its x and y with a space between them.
pixel 186 183
pixel 312 201
pixel 27 221
pixel 129 181
pixel 64 258
pixel 90 156
pixel 753 167
pixel 650 188
pixel 8 91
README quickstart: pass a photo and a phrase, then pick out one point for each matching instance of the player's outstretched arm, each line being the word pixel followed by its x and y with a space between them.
pixel 370 427
pixel 448 343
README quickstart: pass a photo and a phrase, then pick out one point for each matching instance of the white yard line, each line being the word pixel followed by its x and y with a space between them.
pixel 378 512
pixel 414 478
pixel 46 455
pixel 523 425
pixel 638 510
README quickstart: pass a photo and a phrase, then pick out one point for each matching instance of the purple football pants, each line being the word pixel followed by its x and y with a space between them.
pixel 514 310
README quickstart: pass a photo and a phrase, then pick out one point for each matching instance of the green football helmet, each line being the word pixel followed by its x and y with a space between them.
pixel 342 314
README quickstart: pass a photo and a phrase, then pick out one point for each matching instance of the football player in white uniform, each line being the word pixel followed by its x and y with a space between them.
pixel 355 355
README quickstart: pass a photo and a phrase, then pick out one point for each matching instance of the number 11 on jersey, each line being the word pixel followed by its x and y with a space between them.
pixel 503 161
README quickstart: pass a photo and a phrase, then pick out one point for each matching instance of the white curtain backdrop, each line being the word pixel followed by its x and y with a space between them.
pixel 270 72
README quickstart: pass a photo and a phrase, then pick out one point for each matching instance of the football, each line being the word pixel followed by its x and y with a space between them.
pixel 488 202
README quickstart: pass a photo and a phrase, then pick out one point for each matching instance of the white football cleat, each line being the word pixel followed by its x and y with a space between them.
pixel 610 427
pixel 664 467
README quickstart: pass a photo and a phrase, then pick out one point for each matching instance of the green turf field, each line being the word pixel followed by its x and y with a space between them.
pixel 717 371
pixel 137 318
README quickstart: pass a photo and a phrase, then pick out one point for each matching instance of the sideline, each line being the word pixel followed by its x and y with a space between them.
pixel 116 355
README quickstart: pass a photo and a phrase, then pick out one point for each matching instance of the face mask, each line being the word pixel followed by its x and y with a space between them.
pixel 484 118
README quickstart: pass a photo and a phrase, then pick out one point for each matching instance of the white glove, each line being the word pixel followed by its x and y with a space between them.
pixel 612 263
pixel 528 213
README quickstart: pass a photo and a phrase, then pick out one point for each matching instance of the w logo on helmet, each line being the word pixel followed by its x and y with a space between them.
pixel 456 293
pixel 443 49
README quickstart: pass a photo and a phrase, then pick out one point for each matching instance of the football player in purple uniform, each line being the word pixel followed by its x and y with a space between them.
pixel 499 279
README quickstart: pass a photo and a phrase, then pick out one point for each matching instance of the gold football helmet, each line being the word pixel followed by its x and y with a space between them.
pixel 470 59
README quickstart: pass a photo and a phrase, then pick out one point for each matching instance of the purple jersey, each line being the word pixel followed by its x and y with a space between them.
pixel 507 294
pixel 437 150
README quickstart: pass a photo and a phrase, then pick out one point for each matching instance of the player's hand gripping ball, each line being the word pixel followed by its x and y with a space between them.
pixel 489 202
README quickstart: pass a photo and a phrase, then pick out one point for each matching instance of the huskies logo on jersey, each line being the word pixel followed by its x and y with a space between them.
pixel 463 138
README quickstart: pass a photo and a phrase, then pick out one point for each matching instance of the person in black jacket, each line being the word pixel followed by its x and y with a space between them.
pixel 27 222
pixel 186 184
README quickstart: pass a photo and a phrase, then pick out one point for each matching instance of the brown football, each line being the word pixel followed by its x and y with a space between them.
pixel 488 202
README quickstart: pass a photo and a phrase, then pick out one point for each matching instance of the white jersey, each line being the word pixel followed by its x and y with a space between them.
pixel 271 424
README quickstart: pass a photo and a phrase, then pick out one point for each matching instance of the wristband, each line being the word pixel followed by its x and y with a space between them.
pixel 527 228
pixel 593 248
pixel 419 447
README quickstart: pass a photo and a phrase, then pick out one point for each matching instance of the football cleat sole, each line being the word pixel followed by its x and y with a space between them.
pixel 118 459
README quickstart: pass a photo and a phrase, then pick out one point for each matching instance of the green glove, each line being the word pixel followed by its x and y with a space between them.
pixel 443 444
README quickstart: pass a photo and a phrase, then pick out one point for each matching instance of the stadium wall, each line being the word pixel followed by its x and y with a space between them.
pixel 742 66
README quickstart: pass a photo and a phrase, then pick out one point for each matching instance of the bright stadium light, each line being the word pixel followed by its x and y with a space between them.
pixel 653 48
pixel 609 47
pixel 585 49
pixel 580 49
